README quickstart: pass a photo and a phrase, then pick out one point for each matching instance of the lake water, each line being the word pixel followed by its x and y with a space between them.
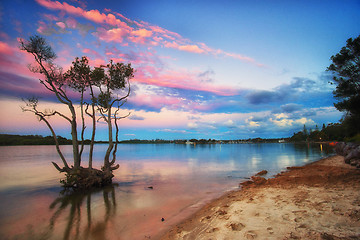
pixel 154 181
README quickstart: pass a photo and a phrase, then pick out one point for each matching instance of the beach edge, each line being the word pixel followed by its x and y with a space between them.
pixel 292 193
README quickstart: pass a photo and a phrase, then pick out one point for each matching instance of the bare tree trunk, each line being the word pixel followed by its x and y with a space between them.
pixel 116 135
pixel 111 143
pixel 93 129
pixel 75 141
pixel 92 138
pixel 83 125
pixel 116 142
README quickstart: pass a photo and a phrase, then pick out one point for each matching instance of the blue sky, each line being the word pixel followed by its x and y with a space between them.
pixel 204 69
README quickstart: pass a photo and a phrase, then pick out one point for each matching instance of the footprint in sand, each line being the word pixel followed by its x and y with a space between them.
pixel 236 226
pixel 270 230
pixel 205 218
pixel 250 235
pixel 212 230
pixel 286 217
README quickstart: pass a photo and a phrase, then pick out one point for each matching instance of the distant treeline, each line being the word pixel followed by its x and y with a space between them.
pixel 7 139
pixel 331 132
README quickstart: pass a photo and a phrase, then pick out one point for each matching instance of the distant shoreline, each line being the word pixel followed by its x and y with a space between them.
pixel 23 140
pixel 317 201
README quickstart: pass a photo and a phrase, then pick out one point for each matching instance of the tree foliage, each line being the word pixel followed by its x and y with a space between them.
pixel 346 75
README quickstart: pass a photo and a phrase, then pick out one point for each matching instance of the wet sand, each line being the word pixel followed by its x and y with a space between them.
pixel 318 201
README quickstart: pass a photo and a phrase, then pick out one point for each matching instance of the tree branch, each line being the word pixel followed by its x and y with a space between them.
pixel 58 168
pixel 62 115
pixel 124 97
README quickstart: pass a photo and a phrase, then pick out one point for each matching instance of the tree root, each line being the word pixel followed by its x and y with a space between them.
pixel 85 178
pixel 64 169
pixel 115 167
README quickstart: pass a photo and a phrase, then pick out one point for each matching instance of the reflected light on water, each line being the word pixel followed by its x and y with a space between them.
pixel 285 160
pixel 153 182
pixel 255 161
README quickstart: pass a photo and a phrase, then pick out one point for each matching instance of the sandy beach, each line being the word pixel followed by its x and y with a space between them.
pixel 318 201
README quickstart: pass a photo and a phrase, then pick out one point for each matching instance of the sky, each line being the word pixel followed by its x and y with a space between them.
pixel 204 69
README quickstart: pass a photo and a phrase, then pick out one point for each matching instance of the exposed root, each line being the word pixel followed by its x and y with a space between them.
pixel 64 169
pixel 85 178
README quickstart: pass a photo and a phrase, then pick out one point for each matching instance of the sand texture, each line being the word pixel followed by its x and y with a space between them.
pixel 318 201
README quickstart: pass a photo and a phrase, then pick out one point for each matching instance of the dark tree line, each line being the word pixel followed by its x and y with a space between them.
pixel 331 132
pixel 8 140
pixel 100 92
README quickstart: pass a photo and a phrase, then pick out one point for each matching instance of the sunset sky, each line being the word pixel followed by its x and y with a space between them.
pixel 204 69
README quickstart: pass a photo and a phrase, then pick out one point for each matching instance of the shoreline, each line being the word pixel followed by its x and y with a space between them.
pixel 320 200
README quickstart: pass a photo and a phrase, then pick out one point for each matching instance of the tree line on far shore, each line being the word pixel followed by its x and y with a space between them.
pixel 10 140
pixel 332 132
pixel 329 133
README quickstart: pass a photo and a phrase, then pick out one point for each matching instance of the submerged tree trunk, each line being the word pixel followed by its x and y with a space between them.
pixel 75 142
pixel 83 124
pixel 93 117
pixel 116 141
pixel 92 141
pixel 111 143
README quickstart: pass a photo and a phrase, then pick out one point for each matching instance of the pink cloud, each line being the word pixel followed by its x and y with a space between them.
pixel 97 62
pixel 128 20
pixel 51 17
pixel 45 29
pixel 158 39
pixel 61 25
pixel 16 79
pixel 92 15
pixel 140 36
pixel 166 33
pixel 13 60
pixel 81 3
pixel 71 23
pixel 5 48
pixel 180 80
pixel 112 35
pixel 4 36
pixel 59 6
pixel 237 56
pixel 136 58
pixel 96 16
pixel 154 101
pixel 118 59
pixel 143 33
pixel 191 48
pixel 92 52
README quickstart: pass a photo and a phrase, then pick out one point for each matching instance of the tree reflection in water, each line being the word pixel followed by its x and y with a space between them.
pixel 73 202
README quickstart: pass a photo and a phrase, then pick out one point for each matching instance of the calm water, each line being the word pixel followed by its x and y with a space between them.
pixel 182 177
